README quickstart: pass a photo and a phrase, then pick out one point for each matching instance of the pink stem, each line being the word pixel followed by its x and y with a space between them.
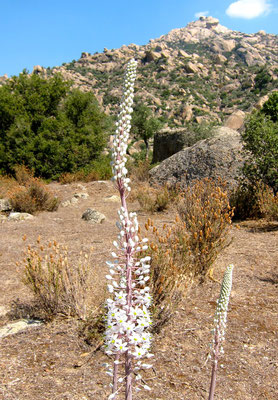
pixel 115 374
pixel 128 355
pixel 214 366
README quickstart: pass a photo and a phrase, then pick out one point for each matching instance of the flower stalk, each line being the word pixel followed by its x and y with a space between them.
pixel 220 321
pixel 128 319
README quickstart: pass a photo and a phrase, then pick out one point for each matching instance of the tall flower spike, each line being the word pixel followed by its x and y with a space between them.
pixel 128 317
pixel 220 321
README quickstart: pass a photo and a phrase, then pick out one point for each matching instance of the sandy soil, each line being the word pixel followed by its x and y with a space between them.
pixel 51 362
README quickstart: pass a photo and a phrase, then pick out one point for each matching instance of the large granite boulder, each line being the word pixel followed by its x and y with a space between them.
pixel 219 156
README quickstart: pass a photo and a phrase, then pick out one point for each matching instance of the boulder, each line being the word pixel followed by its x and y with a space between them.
pixel 235 120
pixel 93 216
pixel 37 69
pixel 19 216
pixel 191 68
pixel 5 205
pixel 215 157
pixel 18 326
pixel 168 142
pixel 81 195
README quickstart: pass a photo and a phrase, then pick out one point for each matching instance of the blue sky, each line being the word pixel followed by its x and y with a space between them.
pixel 51 32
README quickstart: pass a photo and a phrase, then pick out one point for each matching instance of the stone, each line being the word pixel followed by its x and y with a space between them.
pixel 81 195
pixel 183 53
pixel 5 205
pixel 3 311
pixel 151 56
pixel 187 113
pixel 235 120
pixel 18 216
pixel 65 203
pixel 37 69
pixel 191 68
pixel 215 157
pixel 74 200
pixel 18 326
pixel 261 101
pixel 93 216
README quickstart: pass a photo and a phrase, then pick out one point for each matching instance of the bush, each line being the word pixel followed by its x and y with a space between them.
pixel 59 287
pixel 184 253
pixel 170 253
pixel 153 199
pixel 261 143
pixel 245 201
pixel 206 215
pixel 23 174
pixel 100 169
pixel 32 197
pixel 47 127
pixel 268 203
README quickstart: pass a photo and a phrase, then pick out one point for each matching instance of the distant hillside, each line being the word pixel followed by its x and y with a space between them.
pixel 201 72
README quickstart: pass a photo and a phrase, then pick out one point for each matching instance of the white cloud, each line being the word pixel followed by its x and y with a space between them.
pixel 201 14
pixel 248 9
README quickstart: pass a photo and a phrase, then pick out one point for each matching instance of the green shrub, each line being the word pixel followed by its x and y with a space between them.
pixel 261 144
pixel 48 127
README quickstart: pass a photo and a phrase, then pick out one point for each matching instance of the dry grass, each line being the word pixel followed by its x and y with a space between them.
pixel 59 286
pixel 32 197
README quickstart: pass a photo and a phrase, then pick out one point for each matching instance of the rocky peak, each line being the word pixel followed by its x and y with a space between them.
pixel 201 72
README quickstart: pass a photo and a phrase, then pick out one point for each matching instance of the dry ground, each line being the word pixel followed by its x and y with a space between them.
pixel 52 362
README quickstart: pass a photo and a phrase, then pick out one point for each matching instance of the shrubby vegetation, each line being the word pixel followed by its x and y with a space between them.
pixel 261 142
pixel 48 127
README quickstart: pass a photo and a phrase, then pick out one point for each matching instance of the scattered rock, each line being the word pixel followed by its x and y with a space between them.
pixel 3 311
pixel 5 205
pixel 14 327
pixel 74 200
pixel 219 156
pixel 18 216
pixel 235 120
pixel 191 68
pixel 81 195
pixel 261 101
pixel 38 69
pixel 93 216
pixel 66 203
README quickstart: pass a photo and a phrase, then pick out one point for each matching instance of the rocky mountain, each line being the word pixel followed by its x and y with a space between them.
pixel 202 72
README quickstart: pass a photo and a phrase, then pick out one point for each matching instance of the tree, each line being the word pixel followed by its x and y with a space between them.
pixel 48 127
pixel 144 125
pixel 261 141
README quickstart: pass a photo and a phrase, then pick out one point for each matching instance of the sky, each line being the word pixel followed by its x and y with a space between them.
pixel 50 32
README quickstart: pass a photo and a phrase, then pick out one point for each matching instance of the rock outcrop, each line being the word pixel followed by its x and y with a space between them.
pixel 219 156
pixel 93 216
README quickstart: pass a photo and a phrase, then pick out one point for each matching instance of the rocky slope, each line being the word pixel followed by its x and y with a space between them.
pixel 201 72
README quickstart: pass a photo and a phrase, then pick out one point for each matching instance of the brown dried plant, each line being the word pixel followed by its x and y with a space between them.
pixel 184 252
pixel 169 250
pixel 33 197
pixel 59 286
pixel 268 203
pixel 206 215
pixel 153 199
